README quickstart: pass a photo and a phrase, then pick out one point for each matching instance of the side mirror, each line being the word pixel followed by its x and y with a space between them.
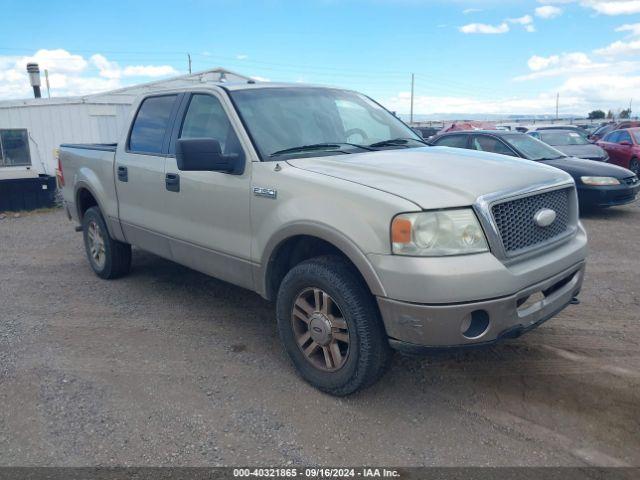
pixel 626 143
pixel 205 154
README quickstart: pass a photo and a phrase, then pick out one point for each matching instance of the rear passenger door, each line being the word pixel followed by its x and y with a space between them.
pixel 140 174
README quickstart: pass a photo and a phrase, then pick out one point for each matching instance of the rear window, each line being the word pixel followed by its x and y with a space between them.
pixel 150 126
pixel 456 141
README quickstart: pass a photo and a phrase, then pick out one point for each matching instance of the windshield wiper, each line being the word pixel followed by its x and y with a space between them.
pixel 396 141
pixel 554 158
pixel 319 146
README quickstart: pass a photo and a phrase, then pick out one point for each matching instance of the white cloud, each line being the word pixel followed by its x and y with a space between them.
pixel 618 7
pixel 605 7
pixel 468 11
pixel 149 71
pixel 540 104
pixel 548 11
pixel 634 28
pixel 107 69
pixel 70 74
pixel 483 28
pixel 524 20
pixel 620 48
pixel 537 63
pixel 556 65
pixel 242 56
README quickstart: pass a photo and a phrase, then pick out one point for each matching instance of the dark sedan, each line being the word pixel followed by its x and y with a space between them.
pixel 599 184
pixel 571 143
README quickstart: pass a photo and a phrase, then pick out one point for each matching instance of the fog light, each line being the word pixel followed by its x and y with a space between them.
pixel 475 324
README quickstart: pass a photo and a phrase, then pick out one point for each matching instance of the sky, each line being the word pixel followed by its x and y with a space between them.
pixel 468 56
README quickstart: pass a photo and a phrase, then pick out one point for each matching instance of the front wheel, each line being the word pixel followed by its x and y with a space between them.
pixel 330 326
pixel 108 257
pixel 634 166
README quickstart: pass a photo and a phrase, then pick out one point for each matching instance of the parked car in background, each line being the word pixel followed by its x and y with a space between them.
pixel 426 132
pixel 574 128
pixel 599 184
pixel 571 143
pixel 610 127
pixel 623 147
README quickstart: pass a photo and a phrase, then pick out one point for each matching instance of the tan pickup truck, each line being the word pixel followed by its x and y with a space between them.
pixel 318 198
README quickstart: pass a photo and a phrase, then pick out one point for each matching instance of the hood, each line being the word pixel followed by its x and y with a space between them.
pixel 577 167
pixel 582 151
pixel 435 177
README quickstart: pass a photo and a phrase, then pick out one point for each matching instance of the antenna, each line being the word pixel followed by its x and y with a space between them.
pixel 411 115
pixel 189 58
pixel 46 79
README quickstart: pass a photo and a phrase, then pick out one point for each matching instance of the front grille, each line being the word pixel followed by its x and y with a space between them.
pixel 516 224
pixel 630 180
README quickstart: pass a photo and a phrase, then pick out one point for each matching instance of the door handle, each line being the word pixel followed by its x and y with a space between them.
pixel 172 182
pixel 123 174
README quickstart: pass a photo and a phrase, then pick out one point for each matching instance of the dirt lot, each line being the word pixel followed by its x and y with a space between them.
pixel 169 367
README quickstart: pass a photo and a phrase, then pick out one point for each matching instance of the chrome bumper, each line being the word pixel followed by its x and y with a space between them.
pixel 413 327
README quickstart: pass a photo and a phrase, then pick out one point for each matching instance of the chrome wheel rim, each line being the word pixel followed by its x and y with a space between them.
pixel 320 329
pixel 96 244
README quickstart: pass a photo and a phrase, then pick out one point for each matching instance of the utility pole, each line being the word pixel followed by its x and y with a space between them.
pixel 557 104
pixel 189 58
pixel 411 115
pixel 46 79
pixel 630 102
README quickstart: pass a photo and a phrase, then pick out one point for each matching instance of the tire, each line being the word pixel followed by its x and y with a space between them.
pixel 351 311
pixel 634 166
pixel 114 258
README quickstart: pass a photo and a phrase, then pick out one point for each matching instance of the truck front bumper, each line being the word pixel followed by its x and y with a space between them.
pixel 415 328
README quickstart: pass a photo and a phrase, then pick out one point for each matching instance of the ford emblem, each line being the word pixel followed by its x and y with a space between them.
pixel 544 217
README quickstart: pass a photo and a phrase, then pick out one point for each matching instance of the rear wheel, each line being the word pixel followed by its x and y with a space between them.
pixel 330 326
pixel 634 166
pixel 108 258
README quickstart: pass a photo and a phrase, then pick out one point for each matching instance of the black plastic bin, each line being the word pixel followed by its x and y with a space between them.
pixel 27 193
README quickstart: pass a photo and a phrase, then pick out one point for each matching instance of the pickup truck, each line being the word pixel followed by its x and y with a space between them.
pixel 367 239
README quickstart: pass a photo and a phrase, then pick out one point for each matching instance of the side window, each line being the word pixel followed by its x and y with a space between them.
pixel 484 143
pixel 612 137
pixel 624 137
pixel 14 148
pixel 206 118
pixel 456 141
pixel 150 126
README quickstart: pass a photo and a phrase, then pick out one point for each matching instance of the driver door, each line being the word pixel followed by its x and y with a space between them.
pixel 210 230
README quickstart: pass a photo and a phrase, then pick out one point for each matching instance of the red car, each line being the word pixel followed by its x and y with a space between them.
pixel 602 131
pixel 623 147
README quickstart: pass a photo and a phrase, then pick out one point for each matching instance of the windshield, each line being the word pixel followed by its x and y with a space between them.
pixel 562 138
pixel 636 135
pixel 304 121
pixel 531 148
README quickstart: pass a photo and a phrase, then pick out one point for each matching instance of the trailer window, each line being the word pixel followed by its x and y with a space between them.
pixel 14 148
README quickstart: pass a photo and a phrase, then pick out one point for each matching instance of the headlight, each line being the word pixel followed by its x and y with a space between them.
pixel 432 234
pixel 600 181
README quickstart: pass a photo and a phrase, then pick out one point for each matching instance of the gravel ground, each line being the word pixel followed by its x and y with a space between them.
pixel 170 367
